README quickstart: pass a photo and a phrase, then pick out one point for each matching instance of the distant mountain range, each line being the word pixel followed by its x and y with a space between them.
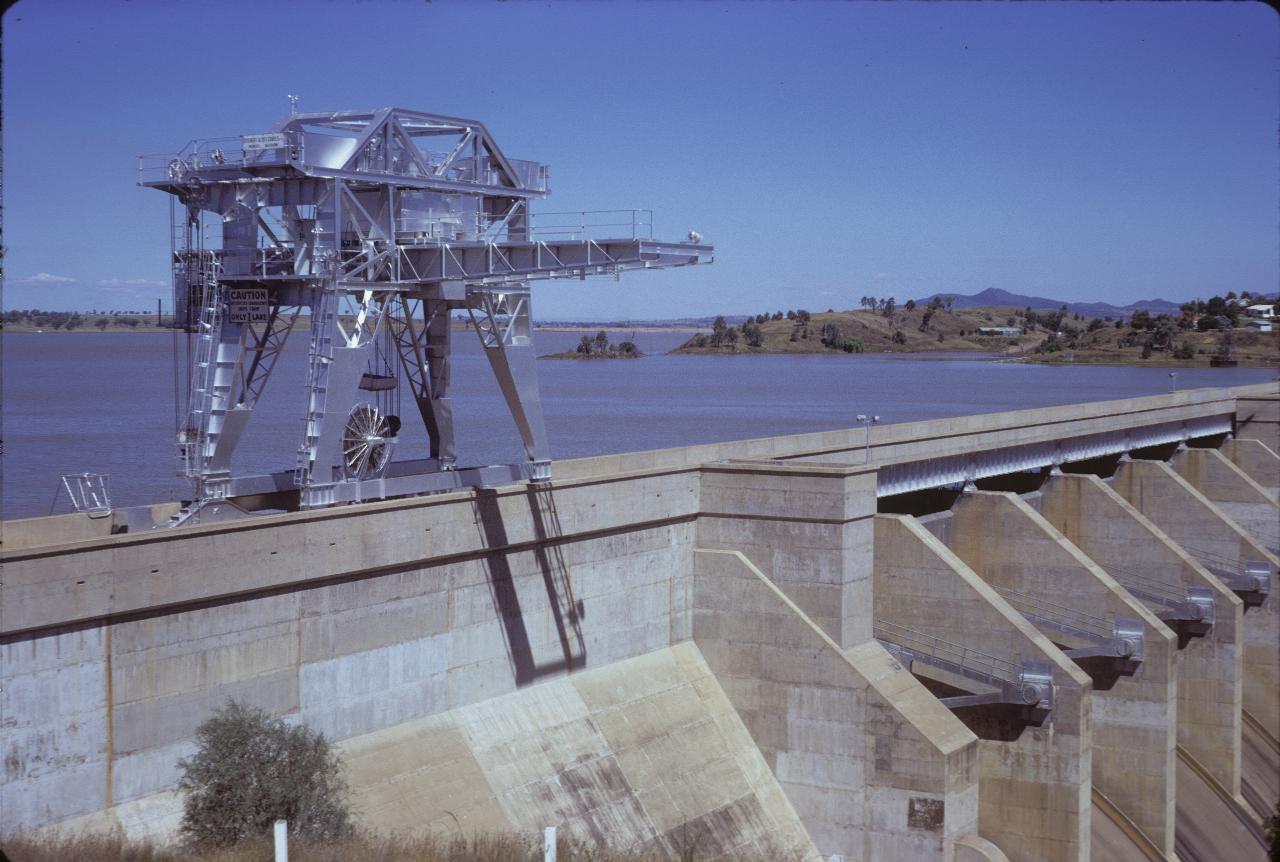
pixel 995 296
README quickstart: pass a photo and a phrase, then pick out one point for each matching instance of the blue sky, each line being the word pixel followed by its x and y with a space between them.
pixel 1113 151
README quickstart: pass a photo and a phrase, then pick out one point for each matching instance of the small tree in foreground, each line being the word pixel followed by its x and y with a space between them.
pixel 250 770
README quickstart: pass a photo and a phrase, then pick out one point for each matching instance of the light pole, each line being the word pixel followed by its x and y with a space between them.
pixel 1173 381
pixel 867 422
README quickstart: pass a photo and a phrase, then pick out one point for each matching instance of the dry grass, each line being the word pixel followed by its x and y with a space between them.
pixel 365 848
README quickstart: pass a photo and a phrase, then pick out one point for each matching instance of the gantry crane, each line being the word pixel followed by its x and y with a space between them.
pixel 380 225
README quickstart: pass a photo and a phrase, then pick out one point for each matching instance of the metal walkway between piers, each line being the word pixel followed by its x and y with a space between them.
pixel 1020 682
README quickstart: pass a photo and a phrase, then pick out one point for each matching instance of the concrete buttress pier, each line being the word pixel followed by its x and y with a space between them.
pixel 1034 780
pixel 808 526
pixel 1222 547
pixel 724 643
pixel 1234 492
pixel 1068 596
pixel 874 766
pixel 1134 552
pixel 1258 462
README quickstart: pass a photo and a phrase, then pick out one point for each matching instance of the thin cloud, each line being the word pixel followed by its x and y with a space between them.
pixel 46 278
pixel 130 284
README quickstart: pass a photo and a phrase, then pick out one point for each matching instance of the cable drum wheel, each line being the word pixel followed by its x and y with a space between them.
pixel 367 441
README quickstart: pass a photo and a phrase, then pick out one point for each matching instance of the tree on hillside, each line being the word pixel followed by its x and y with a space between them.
pixel 925 318
pixel 909 305
pixel 718 327
pixel 249 770
pixel 889 305
pixel 802 317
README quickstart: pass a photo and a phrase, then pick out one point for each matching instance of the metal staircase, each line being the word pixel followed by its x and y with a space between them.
pixel 1193 607
pixel 319 359
pixel 1118 639
pixel 197 439
pixel 1249 579
pixel 1021 682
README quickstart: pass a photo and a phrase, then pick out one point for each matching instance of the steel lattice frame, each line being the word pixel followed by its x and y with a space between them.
pixel 379 224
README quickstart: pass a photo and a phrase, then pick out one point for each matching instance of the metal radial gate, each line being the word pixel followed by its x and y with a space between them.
pixel 379 225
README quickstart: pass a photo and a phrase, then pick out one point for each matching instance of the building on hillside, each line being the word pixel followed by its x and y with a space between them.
pixel 1000 331
pixel 1265 311
pixel 1259 325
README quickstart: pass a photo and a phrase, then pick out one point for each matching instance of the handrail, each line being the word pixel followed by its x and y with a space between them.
pixel 1091 626
pixel 929 646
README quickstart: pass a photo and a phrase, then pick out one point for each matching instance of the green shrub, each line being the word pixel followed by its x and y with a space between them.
pixel 250 770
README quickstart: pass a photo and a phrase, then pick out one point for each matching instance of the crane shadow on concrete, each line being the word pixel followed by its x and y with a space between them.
pixel 548 554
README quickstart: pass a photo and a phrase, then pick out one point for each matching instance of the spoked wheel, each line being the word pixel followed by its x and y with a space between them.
pixel 366 441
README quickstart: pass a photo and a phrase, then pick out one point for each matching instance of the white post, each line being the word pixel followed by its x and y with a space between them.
pixel 282 841
pixel 548 844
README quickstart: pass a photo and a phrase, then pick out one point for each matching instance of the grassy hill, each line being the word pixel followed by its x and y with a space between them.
pixel 902 332
pixel 1073 338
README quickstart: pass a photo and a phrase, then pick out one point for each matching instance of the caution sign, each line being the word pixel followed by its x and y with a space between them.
pixel 247 305
pixel 272 141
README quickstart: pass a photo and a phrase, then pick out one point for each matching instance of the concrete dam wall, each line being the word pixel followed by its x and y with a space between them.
pixel 999 637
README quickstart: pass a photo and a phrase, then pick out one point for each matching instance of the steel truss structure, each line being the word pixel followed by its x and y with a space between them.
pixel 380 225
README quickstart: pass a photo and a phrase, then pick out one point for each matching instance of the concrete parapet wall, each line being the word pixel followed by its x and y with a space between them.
pixel 875 767
pixel 1034 789
pixel 1210 536
pixel 169 568
pixel 1210 671
pixel 329 619
pixel 1134 716
pixel 78 527
pixel 807 526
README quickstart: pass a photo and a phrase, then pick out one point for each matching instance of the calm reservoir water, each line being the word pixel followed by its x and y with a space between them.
pixel 103 403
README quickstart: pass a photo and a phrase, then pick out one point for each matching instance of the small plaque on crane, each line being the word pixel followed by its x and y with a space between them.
pixel 270 141
pixel 247 305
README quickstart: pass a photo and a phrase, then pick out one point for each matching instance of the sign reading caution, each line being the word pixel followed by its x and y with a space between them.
pixel 247 305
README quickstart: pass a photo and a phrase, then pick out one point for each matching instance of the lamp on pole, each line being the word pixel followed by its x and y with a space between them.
pixel 1173 381
pixel 867 422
